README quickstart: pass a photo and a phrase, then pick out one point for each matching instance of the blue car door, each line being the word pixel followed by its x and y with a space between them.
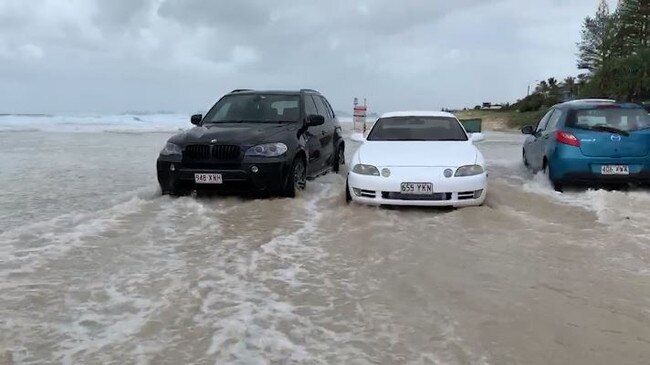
pixel 536 148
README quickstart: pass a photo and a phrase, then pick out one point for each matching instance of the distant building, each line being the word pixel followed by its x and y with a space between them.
pixel 490 106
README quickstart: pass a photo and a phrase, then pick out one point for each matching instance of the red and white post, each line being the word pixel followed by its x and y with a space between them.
pixel 359 116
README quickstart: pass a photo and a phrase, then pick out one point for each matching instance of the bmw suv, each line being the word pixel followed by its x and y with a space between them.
pixel 254 142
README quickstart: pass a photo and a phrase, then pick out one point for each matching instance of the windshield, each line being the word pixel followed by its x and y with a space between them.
pixel 255 108
pixel 417 129
pixel 610 118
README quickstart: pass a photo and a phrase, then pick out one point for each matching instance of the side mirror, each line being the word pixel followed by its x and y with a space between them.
pixel 477 137
pixel 528 130
pixel 196 119
pixel 358 137
pixel 315 120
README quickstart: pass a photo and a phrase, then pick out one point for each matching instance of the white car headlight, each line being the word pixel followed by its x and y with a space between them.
pixel 362 169
pixel 171 149
pixel 267 150
pixel 469 170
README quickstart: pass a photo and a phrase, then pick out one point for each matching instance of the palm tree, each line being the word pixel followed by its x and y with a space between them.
pixel 542 88
pixel 570 84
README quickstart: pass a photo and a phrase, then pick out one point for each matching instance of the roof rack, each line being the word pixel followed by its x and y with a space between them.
pixel 309 91
pixel 240 90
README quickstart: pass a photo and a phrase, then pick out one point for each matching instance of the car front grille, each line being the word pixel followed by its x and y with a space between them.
pixel 429 197
pixel 206 153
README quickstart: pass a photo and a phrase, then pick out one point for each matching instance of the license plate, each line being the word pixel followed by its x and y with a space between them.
pixel 416 188
pixel 208 178
pixel 615 170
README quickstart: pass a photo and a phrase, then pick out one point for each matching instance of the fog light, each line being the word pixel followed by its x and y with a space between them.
pixel 356 191
pixel 172 167
pixel 477 194
pixel 255 169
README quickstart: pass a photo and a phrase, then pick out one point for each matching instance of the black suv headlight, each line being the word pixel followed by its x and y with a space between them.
pixel 171 149
pixel 267 150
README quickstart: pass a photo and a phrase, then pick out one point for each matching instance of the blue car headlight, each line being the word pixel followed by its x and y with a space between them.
pixel 267 150
pixel 362 169
pixel 171 149
pixel 469 170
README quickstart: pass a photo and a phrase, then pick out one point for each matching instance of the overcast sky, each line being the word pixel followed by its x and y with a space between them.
pixel 101 56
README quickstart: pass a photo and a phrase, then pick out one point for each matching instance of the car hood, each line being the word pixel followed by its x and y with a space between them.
pixel 235 133
pixel 418 154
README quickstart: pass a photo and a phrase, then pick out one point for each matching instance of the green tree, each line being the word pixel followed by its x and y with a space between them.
pixel 569 84
pixel 625 78
pixel 542 88
pixel 598 38
pixel 633 33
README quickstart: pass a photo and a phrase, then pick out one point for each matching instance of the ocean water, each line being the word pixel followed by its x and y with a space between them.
pixel 97 267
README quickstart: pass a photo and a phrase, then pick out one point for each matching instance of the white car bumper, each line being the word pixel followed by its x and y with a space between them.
pixel 453 191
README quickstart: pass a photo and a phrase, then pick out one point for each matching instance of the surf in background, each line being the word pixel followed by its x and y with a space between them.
pixel 119 123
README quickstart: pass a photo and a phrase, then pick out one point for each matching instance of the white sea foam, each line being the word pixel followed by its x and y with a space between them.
pixel 31 245
pixel 124 123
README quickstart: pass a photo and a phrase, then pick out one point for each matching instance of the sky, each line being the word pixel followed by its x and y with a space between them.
pixel 117 56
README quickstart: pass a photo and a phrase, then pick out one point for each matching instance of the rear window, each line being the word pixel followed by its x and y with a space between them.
pixel 417 129
pixel 622 118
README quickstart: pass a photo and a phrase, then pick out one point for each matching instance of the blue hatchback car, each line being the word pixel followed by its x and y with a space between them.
pixel 591 142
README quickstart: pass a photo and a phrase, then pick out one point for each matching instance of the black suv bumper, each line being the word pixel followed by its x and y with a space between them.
pixel 264 175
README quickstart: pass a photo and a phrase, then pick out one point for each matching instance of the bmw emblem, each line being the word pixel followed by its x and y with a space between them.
pixel 616 138
pixel 385 172
pixel 448 173
pixel 213 141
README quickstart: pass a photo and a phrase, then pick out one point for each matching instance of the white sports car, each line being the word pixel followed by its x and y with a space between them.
pixel 419 159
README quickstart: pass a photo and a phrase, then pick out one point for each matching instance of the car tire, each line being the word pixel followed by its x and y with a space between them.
pixel 297 179
pixel 525 159
pixel 339 159
pixel 173 191
pixel 348 197
pixel 557 186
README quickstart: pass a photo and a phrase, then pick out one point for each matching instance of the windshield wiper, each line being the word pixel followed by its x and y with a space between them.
pixel 606 128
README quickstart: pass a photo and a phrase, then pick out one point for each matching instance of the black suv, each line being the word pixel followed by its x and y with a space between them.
pixel 254 142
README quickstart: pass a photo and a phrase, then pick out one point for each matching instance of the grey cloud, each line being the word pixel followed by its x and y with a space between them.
pixel 233 14
pixel 122 14
pixel 97 55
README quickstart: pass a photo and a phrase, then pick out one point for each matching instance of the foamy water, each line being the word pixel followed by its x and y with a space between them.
pixel 97 267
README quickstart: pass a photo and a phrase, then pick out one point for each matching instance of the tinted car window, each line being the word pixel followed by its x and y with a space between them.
pixel 554 120
pixel 542 124
pixel 322 109
pixel 328 108
pixel 417 129
pixel 255 108
pixel 310 106
pixel 625 119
